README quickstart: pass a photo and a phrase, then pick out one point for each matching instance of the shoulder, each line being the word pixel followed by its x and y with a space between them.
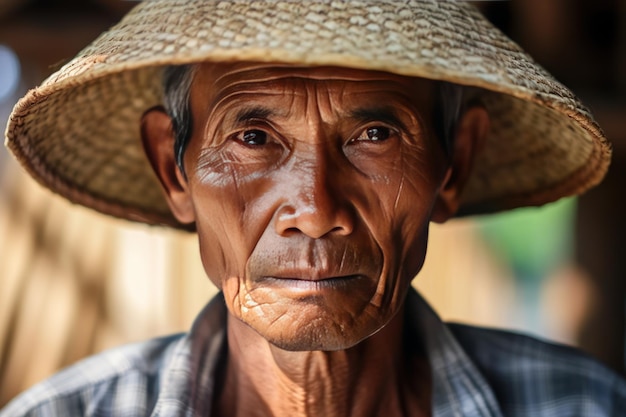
pixel 534 377
pixel 122 381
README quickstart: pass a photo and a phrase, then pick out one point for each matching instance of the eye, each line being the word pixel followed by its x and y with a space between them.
pixel 374 134
pixel 253 137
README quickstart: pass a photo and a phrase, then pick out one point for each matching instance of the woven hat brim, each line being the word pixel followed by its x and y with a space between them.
pixel 78 133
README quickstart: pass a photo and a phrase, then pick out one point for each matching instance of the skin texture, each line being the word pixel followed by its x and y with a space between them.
pixel 312 191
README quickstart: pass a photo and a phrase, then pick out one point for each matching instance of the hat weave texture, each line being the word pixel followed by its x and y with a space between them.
pixel 79 132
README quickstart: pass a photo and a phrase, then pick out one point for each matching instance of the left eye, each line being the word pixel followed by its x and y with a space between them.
pixel 374 134
pixel 253 137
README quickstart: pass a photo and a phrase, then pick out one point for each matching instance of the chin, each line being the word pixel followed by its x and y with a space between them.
pixel 320 334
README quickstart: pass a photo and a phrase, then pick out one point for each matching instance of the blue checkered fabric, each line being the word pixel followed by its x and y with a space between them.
pixel 475 373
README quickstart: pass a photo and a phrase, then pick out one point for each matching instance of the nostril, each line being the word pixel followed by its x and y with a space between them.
pixel 344 229
pixel 290 231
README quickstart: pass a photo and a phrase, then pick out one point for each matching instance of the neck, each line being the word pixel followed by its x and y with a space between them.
pixel 383 375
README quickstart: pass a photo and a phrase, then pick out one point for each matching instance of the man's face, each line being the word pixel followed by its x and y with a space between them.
pixel 312 191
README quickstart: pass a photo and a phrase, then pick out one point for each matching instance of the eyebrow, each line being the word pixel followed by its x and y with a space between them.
pixel 252 113
pixel 382 114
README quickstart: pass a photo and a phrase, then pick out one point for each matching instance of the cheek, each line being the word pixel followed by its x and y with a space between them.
pixel 407 205
pixel 229 220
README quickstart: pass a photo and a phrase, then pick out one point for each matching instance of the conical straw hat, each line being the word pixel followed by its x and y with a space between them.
pixel 78 133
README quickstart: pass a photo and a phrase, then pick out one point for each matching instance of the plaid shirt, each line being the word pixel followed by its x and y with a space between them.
pixel 475 372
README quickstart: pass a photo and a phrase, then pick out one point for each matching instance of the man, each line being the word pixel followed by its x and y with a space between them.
pixel 310 145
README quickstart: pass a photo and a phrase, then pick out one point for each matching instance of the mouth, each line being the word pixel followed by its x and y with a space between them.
pixel 313 283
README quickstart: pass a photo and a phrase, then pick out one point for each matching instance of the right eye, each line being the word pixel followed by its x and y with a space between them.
pixel 254 137
pixel 256 145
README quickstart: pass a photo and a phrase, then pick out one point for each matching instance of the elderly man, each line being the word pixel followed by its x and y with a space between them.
pixel 310 145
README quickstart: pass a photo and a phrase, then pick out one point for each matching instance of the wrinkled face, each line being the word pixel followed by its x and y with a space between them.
pixel 312 191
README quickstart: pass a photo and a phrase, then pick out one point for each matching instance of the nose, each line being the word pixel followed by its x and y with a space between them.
pixel 316 202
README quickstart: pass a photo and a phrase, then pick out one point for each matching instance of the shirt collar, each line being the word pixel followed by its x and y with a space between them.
pixel 188 384
pixel 459 389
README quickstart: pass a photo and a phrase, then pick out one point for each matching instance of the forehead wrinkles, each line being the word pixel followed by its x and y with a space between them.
pixel 340 95
pixel 222 87
pixel 247 76
pixel 296 84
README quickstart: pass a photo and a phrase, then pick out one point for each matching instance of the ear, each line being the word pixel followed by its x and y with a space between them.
pixel 469 139
pixel 158 142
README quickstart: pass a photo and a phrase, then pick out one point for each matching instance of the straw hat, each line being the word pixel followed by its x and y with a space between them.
pixel 78 133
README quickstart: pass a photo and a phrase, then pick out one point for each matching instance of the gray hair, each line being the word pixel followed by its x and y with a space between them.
pixel 449 105
pixel 176 100
pixel 177 81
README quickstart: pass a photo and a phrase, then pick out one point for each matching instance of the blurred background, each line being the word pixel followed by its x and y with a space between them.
pixel 73 282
